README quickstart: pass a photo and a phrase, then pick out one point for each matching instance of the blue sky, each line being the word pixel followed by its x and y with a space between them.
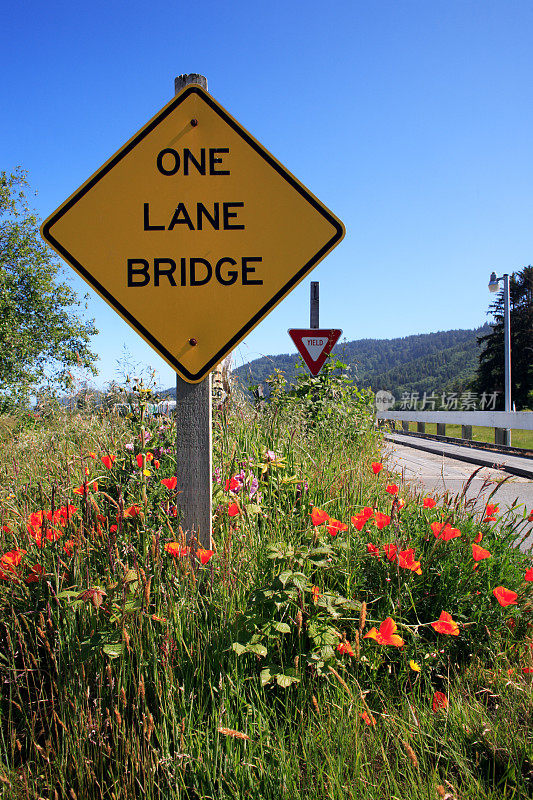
pixel 410 119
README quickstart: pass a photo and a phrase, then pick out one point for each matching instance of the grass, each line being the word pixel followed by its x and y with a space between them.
pixel 127 672
pixel 519 438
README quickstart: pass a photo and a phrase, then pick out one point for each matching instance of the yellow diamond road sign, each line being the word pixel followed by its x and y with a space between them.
pixel 193 232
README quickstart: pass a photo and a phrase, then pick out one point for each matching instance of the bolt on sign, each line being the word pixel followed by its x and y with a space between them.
pixel 315 345
pixel 193 232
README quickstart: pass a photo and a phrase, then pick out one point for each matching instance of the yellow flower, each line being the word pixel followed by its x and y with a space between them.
pixel 414 666
pixel 147 472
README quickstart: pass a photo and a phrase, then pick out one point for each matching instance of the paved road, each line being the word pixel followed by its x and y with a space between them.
pixel 439 474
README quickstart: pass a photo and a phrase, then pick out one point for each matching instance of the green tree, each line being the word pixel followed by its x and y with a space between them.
pixel 42 334
pixel 490 371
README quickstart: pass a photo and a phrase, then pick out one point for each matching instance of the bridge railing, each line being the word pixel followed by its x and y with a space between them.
pixel 501 421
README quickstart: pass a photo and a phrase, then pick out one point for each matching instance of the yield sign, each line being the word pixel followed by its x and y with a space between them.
pixel 193 232
pixel 315 345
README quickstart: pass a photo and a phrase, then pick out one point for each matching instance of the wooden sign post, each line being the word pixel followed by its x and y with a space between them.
pixel 193 433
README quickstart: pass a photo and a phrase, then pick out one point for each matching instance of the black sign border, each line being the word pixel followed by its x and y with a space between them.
pixel 228 347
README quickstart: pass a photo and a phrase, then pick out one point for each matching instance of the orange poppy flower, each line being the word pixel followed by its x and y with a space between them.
pixel 92 455
pixel 132 511
pixel 233 509
pixel 170 483
pixel 34 574
pixel 406 560
pixel 156 464
pixel 439 701
pixel 478 538
pixel 318 517
pixel 204 555
pixel 429 502
pixel 381 520
pixel 386 634
pixel 83 490
pixel 445 624
pixel 107 461
pixel 368 719
pixel 233 484
pixel 479 553
pixel 334 526
pixel 390 551
pixel 359 521
pixel 315 591
pixel 377 466
pixel 530 518
pixel 373 550
pixel 177 550
pixel 444 531
pixel 345 648
pixel 68 547
pixel 505 597
pixel 392 489
pixel 490 511
pixel 139 460
pixel 529 575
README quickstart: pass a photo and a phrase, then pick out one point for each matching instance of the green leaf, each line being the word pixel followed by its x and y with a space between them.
pixel 239 648
pixel 114 650
pixel 265 676
pixel 281 627
pixel 253 508
pixel 286 680
pixel 258 649
pixel 285 576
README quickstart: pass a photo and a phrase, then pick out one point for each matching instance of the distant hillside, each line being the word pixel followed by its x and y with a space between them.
pixel 431 362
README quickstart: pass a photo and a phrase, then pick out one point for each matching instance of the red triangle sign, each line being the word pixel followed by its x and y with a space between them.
pixel 315 345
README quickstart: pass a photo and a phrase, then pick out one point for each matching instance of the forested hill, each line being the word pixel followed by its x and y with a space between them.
pixel 428 362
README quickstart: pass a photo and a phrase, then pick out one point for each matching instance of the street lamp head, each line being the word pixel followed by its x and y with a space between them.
pixel 493 283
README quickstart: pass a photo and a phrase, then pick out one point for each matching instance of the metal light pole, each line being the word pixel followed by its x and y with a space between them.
pixel 493 287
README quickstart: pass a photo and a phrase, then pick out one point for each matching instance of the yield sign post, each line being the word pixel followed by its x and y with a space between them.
pixel 315 345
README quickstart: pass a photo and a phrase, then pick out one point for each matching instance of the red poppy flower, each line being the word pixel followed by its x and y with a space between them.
pixel 92 455
pixel 490 510
pixel 345 648
pixel 505 597
pixel 439 701
pixel 406 560
pixel 233 484
pixel 34 574
pixel 372 549
pixel 177 550
pixel 478 553
pixel 113 529
pixel 359 521
pixel 334 526
pixel 386 634
pixel 529 575
pixel 204 555
pixel 107 461
pixel 445 624
pixel 530 518
pixel 381 520
pixel 132 511
pixel 83 490
pixel 12 559
pixel 377 466
pixel 367 512
pixel 444 531
pixel 318 517
pixel 392 489
pixel 233 509
pixel 170 483
pixel 390 551
pixel 478 538
pixel 68 547
pixel 156 464
pixel 368 719
pixel 139 460
pixel 429 502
